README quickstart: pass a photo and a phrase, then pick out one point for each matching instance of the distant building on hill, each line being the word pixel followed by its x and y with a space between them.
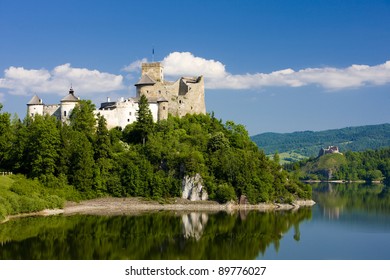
pixel 329 150
pixel 185 96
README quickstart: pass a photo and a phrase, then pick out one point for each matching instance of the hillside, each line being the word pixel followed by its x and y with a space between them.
pixel 153 160
pixel 308 143
pixel 324 167
pixel 370 165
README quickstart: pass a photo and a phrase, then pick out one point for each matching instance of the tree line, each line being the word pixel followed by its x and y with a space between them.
pixel 145 159
pixel 370 165
pixel 308 143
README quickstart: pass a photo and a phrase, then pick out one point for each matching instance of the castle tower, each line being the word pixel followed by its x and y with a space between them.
pixel 152 74
pixel 67 105
pixel 154 70
pixel 162 104
pixel 35 106
pixel 184 96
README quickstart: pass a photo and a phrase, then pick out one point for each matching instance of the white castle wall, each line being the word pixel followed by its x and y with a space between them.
pixel 35 110
pixel 124 112
pixel 66 110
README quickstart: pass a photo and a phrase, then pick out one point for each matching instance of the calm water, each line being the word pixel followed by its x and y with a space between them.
pixel 348 222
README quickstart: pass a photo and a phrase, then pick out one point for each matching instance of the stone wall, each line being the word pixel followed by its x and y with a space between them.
pixel 184 96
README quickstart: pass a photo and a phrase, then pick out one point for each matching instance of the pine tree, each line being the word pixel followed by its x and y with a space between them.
pixel 144 124
pixel 83 119
pixel 5 137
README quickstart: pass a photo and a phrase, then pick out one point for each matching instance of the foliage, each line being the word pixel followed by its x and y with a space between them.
pixel 22 195
pixel 224 193
pixel 82 118
pixel 144 124
pixel 5 137
pixel 370 165
pixel 145 159
pixel 308 143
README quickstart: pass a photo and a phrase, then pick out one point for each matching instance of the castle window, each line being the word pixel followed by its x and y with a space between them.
pixel 163 107
pixel 179 101
pixel 128 120
pixel 64 113
pixel 129 113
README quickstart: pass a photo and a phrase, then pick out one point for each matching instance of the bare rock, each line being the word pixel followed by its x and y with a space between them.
pixel 193 189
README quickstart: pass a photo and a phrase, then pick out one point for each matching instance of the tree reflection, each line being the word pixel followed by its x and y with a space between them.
pixel 336 198
pixel 163 235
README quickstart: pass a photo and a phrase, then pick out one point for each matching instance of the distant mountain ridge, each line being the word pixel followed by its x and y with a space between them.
pixel 308 143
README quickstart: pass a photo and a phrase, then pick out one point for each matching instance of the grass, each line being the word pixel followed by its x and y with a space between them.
pixel 289 157
pixel 21 195
pixel 5 182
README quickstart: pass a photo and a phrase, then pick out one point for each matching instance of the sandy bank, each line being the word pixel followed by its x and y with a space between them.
pixel 115 206
pixel 122 206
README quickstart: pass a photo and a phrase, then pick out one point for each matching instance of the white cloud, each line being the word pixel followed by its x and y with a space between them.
pixel 186 64
pixel 134 66
pixel 21 81
pixel 216 77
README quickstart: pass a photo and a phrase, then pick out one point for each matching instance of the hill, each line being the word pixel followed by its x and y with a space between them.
pixel 370 165
pixel 155 160
pixel 308 143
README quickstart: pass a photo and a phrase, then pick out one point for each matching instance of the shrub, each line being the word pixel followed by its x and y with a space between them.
pixel 225 193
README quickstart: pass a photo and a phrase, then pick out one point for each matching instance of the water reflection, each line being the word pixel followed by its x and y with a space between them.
pixel 336 199
pixel 349 222
pixel 194 224
pixel 163 235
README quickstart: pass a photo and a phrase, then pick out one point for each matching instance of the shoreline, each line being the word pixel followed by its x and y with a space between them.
pixel 339 181
pixel 111 206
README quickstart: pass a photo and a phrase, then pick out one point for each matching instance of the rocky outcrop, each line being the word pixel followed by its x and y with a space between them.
pixel 193 188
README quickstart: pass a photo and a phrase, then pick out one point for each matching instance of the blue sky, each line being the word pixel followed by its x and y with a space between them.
pixel 277 66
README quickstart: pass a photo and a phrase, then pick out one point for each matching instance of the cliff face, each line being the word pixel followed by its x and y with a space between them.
pixel 193 189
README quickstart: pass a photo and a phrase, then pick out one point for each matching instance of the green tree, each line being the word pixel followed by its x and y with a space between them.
pixel 102 144
pixel 83 119
pixel 144 125
pixel 276 158
pixel 81 162
pixel 103 157
pixel 42 146
pixel 18 162
pixel 5 138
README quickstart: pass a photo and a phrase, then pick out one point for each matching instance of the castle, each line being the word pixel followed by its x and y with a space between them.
pixel 184 96
pixel 329 150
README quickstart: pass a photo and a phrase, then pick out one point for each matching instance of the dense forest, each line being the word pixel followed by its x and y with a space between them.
pixel 146 159
pixel 308 143
pixel 370 165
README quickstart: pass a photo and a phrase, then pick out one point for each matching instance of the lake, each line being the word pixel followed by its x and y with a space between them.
pixel 349 221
